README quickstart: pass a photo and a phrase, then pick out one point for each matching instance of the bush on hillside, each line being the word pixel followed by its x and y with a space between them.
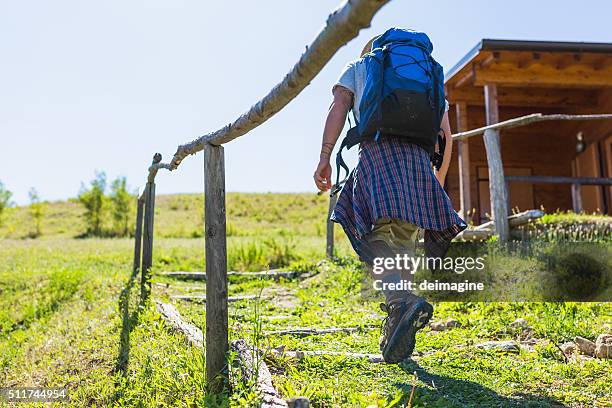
pixel 37 211
pixel 94 201
pixel 5 200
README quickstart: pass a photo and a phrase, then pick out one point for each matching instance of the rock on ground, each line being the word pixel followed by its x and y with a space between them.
pixel 568 348
pixel 520 323
pixel 585 346
pixel 603 346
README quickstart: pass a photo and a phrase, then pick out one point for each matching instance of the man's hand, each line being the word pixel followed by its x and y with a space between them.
pixel 343 99
pixel 322 175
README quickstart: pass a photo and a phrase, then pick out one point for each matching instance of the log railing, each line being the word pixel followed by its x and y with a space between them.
pixel 342 25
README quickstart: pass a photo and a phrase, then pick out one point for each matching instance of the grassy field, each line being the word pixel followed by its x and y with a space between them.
pixel 70 316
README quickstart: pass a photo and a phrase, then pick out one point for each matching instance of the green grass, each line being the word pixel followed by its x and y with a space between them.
pixel 70 316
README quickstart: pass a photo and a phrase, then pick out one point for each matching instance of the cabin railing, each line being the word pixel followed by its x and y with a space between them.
pixel 497 180
pixel 575 182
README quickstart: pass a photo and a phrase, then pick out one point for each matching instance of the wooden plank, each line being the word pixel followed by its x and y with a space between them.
pixel 254 368
pixel 591 181
pixel 497 183
pixel 329 248
pixel 216 267
pixel 147 247
pixel 508 74
pixel 526 97
pixel 138 234
pixel 173 318
pixel 463 151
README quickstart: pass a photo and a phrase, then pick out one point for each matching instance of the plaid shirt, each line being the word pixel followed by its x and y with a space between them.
pixel 394 179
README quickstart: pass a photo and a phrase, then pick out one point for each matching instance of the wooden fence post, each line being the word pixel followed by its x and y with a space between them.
pixel 216 267
pixel 497 181
pixel 329 249
pixel 147 247
pixel 147 236
pixel 138 234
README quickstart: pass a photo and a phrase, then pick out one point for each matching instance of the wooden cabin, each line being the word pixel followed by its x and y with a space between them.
pixel 502 79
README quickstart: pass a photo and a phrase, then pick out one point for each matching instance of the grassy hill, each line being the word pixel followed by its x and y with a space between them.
pixel 69 316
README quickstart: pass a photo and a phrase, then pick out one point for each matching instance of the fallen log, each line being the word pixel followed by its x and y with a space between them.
pixel 254 369
pixel 473 235
pixel 484 231
pixel 515 220
pixel 273 274
pixel 299 355
pixel 171 315
pixel 302 332
pixel 202 298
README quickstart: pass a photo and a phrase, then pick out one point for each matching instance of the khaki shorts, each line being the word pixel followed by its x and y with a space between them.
pixel 400 235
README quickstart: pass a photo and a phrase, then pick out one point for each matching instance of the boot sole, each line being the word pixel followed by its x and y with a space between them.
pixel 401 344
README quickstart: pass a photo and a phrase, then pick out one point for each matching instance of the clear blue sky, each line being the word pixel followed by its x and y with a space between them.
pixel 103 85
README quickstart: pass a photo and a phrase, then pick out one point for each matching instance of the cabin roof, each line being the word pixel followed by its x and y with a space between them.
pixel 532 73
pixel 488 44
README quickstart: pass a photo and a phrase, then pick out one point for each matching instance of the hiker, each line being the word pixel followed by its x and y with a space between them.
pixel 396 94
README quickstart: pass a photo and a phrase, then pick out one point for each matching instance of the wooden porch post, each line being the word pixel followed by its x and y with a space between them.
pixel 576 198
pixel 329 250
pixel 463 152
pixel 497 181
pixel 216 267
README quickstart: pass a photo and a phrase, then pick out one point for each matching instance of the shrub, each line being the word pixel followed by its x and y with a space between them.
pixel 94 202
pixel 120 199
pixel 37 212
pixel 5 200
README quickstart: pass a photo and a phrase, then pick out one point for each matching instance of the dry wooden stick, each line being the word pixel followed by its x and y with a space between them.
pixel 416 377
pixel 301 332
pixel 275 274
pixel 202 298
pixel 299 355
pixel 254 369
pixel 171 315
pixel 342 25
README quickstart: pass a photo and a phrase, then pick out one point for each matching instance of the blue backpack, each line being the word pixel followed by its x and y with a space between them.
pixel 403 95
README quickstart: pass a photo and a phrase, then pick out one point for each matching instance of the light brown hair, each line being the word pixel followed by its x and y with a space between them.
pixel 368 46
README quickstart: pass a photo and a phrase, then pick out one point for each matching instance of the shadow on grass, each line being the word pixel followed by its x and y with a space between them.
pixel 454 392
pixel 129 321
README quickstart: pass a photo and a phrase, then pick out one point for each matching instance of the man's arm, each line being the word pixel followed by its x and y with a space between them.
pixel 448 151
pixel 343 100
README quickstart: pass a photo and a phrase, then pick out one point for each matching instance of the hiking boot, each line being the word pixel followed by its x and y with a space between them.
pixel 404 319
